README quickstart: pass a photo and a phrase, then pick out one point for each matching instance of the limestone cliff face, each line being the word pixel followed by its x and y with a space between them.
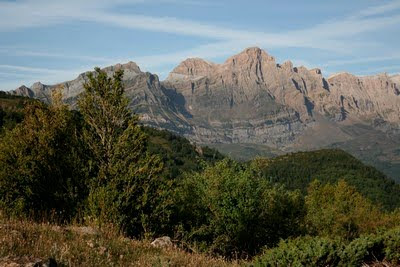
pixel 23 91
pixel 396 79
pixel 366 98
pixel 242 100
pixel 251 98
pixel 37 90
pixel 253 75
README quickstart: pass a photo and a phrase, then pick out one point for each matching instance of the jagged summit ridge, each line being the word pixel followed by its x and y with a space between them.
pixel 197 67
pixel 253 72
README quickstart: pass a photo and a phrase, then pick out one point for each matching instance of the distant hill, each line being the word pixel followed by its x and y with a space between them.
pixel 177 153
pixel 297 170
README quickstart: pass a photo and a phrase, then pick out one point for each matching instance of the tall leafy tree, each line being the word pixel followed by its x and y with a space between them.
pixel 41 166
pixel 228 209
pixel 126 189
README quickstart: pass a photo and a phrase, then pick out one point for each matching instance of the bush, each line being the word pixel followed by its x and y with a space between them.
pixel 323 251
pixel 303 251
pixel 392 246
pixel 229 210
pixel 372 248
pixel 367 248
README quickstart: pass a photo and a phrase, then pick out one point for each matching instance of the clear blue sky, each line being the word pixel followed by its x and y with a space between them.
pixel 53 40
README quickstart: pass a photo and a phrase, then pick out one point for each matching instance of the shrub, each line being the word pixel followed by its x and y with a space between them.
pixel 323 251
pixel 383 245
pixel 229 210
pixel 392 245
pixel 303 251
pixel 366 248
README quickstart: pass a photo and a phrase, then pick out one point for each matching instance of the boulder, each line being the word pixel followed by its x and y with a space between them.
pixel 162 242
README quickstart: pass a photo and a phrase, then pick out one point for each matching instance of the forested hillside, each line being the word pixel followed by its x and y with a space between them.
pixel 298 170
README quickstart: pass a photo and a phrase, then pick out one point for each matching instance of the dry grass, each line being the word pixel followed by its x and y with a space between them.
pixel 22 241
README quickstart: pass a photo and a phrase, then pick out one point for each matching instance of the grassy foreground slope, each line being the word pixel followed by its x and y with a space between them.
pixel 297 170
pixel 23 242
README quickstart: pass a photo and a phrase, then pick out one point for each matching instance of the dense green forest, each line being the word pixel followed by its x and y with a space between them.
pixel 99 166
pixel 297 170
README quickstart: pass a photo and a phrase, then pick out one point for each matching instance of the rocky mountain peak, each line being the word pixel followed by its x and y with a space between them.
pixel 252 99
pixel 249 56
pixel 130 66
pixel 23 91
pixel 193 67
pixel 343 78
pixel 340 75
pixel 37 86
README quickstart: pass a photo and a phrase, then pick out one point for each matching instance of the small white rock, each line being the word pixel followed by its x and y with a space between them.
pixel 162 242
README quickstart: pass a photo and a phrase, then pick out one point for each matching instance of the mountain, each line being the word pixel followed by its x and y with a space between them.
pixel 252 100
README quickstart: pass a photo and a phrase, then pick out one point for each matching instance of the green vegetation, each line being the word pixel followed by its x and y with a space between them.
pixel 98 166
pixel 321 251
pixel 11 108
pixel 125 186
pixel 41 167
pixel 244 152
pixel 23 241
pixel 228 209
pixel 298 170
pixel 340 211
pixel 177 153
